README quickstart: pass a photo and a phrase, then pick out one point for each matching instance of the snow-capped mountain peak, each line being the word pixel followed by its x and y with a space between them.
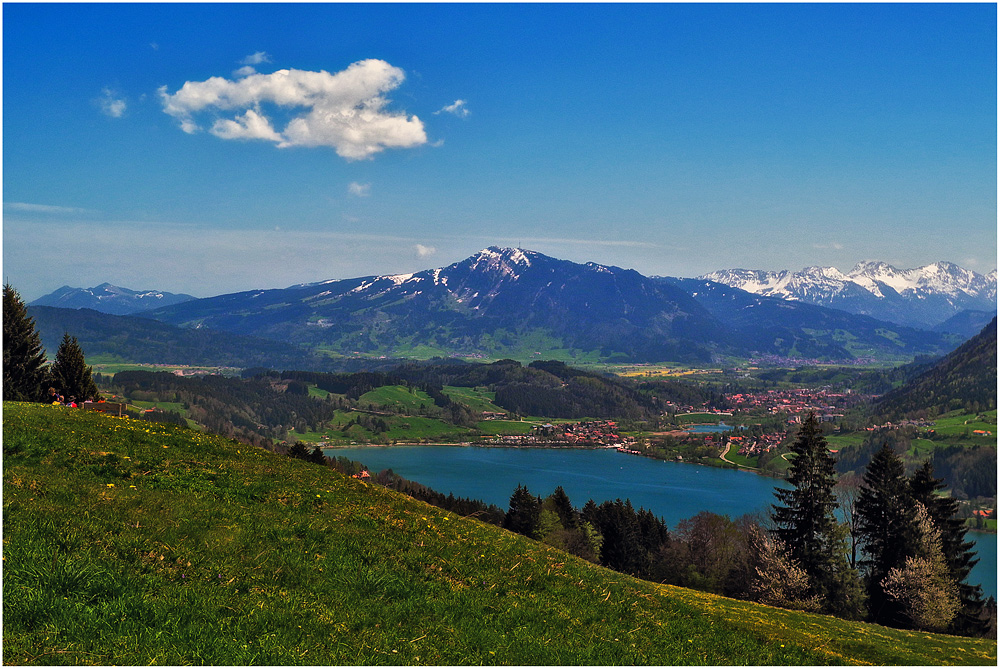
pixel 505 260
pixel 923 296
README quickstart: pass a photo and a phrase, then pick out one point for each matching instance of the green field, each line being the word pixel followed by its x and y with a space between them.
pixel 129 543
pixel 741 460
pixel 959 424
pixel 838 441
pixel 477 399
pixel 497 427
pixel 399 398
pixel 318 392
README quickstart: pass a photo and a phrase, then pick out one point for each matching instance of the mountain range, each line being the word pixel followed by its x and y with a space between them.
pixel 109 299
pixel 924 297
pixel 520 303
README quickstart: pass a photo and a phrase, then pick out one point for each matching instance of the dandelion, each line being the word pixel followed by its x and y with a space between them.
pixel 111 485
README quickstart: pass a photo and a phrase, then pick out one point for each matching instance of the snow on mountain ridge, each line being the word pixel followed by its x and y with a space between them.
pixel 938 278
pixel 920 297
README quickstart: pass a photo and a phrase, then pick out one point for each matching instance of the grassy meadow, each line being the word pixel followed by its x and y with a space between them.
pixel 127 542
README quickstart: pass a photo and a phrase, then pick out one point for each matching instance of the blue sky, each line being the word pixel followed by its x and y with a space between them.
pixel 213 148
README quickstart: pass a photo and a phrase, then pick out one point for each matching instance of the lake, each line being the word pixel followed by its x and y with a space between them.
pixel 671 490
pixel 720 427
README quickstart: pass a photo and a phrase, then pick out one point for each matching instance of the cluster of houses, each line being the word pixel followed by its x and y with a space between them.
pixel 752 447
pixel 591 433
pixel 889 425
pixel 783 361
pixel 796 402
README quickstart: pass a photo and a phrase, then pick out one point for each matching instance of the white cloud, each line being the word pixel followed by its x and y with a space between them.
pixel 457 108
pixel 244 71
pixel 361 190
pixel 256 58
pixel 424 251
pixel 345 111
pixel 836 246
pixel 249 126
pixel 110 104
pixel 27 207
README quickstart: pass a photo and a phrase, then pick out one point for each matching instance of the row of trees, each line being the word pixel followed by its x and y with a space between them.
pixel 27 376
pixel 914 560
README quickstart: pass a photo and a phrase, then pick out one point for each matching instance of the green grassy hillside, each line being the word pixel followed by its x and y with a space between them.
pixel 126 542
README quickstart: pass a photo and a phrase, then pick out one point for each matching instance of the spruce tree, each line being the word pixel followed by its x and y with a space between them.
pixel 559 501
pixel 70 373
pixel 888 530
pixel 959 554
pixel 805 522
pixel 523 514
pixel 24 371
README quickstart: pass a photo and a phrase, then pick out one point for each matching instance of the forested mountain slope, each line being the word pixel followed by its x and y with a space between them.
pixel 964 379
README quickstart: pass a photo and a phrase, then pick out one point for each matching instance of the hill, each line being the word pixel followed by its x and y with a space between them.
pixel 110 299
pixel 107 337
pixel 964 379
pixel 516 303
pixel 126 543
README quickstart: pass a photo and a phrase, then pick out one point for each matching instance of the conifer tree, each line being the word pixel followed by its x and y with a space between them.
pixel 805 521
pixel 559 501
pixel 24 372
pixel 523 514
pixel 70 373
pixel 888 530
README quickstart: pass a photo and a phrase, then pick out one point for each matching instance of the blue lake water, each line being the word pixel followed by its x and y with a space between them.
pixel 721 427
pixel 671 490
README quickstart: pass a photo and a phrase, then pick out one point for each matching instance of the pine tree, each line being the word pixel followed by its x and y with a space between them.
pixel 523 515
pixel 24 372
pixel 888 530
pixel 805 521
pixel 70 373
pixel 959 554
